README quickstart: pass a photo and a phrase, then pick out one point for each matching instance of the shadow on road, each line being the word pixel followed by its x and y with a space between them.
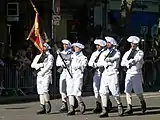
pixel 16 108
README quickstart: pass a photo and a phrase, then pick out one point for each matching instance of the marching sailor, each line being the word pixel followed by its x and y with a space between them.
pixel 133 62
pixel 62 81
pixel 43 64
pixel 75 82
pixel 101 46
pixel 109 64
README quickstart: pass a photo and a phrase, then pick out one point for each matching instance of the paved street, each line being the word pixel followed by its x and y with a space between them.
pixel 26 111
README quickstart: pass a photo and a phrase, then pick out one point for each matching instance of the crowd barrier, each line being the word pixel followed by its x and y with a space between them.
pixel 23 82
pixel 16 81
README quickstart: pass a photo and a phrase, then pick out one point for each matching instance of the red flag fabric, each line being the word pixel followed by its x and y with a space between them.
pixel 35 36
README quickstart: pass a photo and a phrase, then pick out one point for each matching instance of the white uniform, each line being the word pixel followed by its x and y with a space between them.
pixel 62 80
pixel 97 75
pixel 109 80
pixel 109 59
pixel 78 64
pixel 92 63
pixel 133 61
pixel 44 76
pixel 134 76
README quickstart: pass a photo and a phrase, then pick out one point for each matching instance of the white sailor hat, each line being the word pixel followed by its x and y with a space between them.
pixel 78 45
pixel 111 40
pixel 65 41
pixel 100 42
pixel 46 46
pixel 133 39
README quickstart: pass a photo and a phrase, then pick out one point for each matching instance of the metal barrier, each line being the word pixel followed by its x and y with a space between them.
pixel 23 82
pixel 16 82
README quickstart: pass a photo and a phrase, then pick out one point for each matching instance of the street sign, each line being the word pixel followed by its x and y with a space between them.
pixel 57 17
pixel 56 22
pixel 144 30
pixel 154 31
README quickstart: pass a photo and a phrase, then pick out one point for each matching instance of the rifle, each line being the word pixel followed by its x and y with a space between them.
pixel 65 66
pixel 66 57
pixel 110 54
pixel 41 60
pixel 131 56
pixel 96 60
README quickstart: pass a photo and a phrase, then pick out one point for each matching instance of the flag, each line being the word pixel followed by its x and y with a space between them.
pixel 35 36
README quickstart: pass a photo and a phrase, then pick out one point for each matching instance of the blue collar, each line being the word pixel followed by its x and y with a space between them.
pixel 66 49
pixel 77 53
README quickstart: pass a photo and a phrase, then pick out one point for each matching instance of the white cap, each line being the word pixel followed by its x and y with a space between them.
pixel 111 40
pixel 100 42
pixel 65 41
pixel 133 39
pixel 47 46
pixel 78 45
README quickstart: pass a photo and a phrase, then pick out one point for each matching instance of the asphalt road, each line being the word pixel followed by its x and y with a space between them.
pixel 27 111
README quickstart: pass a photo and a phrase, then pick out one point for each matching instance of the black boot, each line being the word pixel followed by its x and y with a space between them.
pixel 48 107
pixel 98 108
pixel 64 107
pixel 71 110
pixel 82 107
pixel 120 110
pixel 76 103
pixel 104 112
pixel 129 110
pixel 109 105
pixel 42 110
pixel 143 106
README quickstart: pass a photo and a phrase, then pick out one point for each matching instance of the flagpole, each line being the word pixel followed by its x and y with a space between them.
pixel 35 9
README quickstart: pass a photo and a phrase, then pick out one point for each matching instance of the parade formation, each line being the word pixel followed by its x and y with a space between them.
pixel 104 63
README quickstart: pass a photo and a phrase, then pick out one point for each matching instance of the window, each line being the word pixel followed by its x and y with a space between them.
pixel 13 9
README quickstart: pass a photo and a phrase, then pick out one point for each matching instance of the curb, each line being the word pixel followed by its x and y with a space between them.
pixel 33 98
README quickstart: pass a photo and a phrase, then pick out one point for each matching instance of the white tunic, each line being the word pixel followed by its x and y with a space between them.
pixel 109 78
pixel 44 76
pixel 78 64
pixel 62 80
pixel 97 75
pixel 134 76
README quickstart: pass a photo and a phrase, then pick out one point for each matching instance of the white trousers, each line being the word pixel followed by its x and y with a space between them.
pixel 43 84
pixel 63 86
pixel 134 82
pixel 74 85
pixel 109 82
pixel 96 85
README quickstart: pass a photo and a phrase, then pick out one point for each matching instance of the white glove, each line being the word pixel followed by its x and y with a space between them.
pixel 58 51
pixel 67 62
pixel 40 74
pixel 107 64
pixel 107 59
pixel 41 65
pixel 131 61
pixel 75 67
pixel 95 65
pixel 62 65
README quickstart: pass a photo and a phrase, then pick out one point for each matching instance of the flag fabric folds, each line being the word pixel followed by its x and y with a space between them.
pixel 34 35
